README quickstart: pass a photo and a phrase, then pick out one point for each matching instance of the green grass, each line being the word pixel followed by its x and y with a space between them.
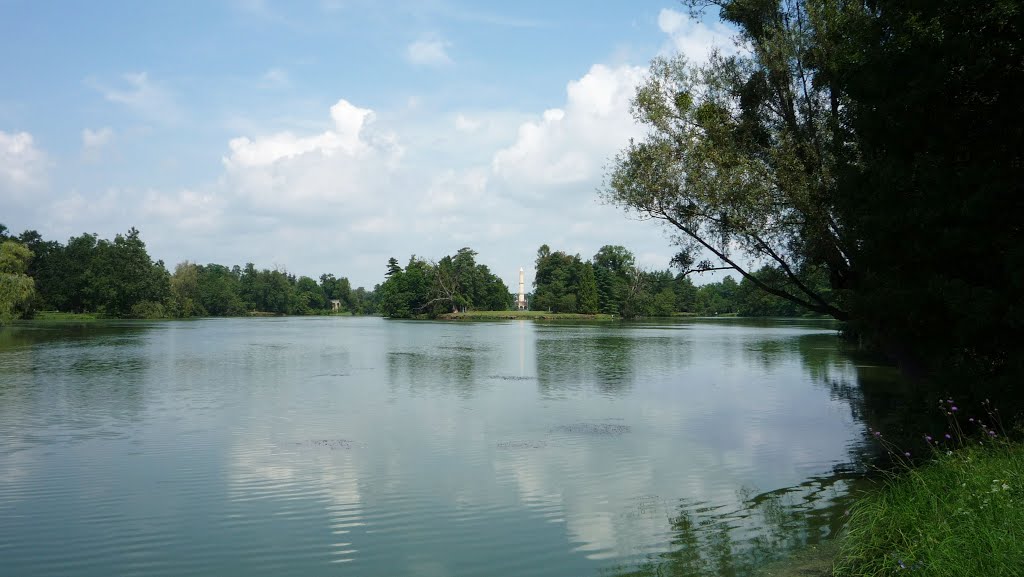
pixel 56 316
pixel 962 514
pixel 539 315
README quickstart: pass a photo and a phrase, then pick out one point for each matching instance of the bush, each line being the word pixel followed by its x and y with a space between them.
pixel 148 310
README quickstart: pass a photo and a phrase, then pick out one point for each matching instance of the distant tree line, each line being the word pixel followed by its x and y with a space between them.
pixel 118 278
pixel 454 283
pixel 612 283
pixel 609 283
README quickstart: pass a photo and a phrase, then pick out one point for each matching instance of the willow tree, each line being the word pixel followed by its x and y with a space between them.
pixel 741 153
pixel 16 288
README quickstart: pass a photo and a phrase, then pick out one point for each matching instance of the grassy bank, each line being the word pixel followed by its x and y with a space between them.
pixel 56 316
pixel 961 514
pixel 537 315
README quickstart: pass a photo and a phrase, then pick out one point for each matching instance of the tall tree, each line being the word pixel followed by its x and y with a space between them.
pixel 122 276
pixel 185 295
pixel 220 290
pixel 741 152
pixel 586 295
pixel 556 281
pixel 309 297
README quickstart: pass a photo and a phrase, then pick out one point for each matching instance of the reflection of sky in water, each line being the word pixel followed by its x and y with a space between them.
pixel 427 448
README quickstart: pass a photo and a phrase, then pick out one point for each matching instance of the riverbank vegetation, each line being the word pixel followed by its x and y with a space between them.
pixel 958 512
pixel 961 514
pixel 429 289
pixel 608 285
pixel 525 315
pixel 118 279
pixel 611 283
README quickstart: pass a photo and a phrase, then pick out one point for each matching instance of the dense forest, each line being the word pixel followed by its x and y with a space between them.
pixel 117 278
pixel 612 283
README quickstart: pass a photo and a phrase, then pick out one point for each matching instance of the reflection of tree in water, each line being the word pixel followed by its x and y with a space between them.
pixel 730 541
pixel 712 539
pixel 875 392
pixel 442 369
pixel 605 361
pixel 78 376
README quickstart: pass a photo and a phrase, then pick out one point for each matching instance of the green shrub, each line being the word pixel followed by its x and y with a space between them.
pixel 149 310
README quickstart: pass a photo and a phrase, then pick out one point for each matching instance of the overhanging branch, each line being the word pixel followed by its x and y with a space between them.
pixel 825 309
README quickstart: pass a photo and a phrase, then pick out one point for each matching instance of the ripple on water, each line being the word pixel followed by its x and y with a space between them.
pixel 595 429
pixel 328 444
pixel 523 444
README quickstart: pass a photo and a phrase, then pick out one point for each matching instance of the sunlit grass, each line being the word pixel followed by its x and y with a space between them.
pixel 962 513
pixel 541 315
pixel 59 316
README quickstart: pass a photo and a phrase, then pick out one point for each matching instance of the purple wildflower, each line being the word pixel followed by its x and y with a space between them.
pixel 954 409
pixel 907 454
pixel 948 436
pixel 928 438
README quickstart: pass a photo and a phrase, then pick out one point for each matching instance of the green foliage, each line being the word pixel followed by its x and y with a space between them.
pixel 185 291
pixel 148 310
pixel 587 295
pixel 556 281
pixel 869 155
pixel 937 192
pixel 338 289
pixel 220 290
pixel 664 304
pixel 455 283
pixel 14 257
pixel 741 154
pixel 16 288
pixel 97 275
pixel 309 296
pixel 118 279
pixel 962 514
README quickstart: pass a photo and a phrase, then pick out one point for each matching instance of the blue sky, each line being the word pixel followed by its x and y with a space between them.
pixel 327 136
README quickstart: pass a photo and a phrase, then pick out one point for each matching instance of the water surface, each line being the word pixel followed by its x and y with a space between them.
pixel 360 446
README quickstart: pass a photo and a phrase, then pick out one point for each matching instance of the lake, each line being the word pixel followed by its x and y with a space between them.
pixel 363 446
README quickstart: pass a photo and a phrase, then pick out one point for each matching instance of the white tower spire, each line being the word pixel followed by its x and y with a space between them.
pixel 521 302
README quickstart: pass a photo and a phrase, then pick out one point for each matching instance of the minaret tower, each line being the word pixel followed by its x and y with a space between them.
pixel 521 302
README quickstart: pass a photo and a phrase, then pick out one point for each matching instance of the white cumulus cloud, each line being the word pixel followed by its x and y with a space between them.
pixel 346 167
pixel 572 144
pixel 693 38
pixel 344 138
